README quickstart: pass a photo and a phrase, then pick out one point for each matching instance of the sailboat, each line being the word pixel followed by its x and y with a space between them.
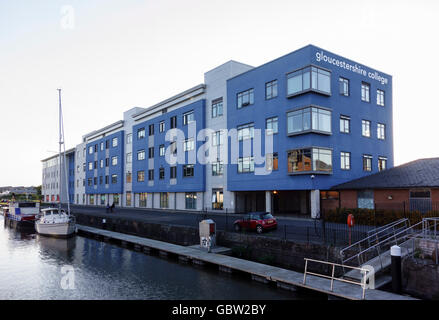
pixel 54 221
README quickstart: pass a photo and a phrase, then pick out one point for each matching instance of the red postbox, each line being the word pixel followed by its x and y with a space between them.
pixel 351 220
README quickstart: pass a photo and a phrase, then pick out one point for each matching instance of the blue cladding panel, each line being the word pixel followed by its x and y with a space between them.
pixel 71 173
pixel 117 169
pixel 351 106
pixel 184 184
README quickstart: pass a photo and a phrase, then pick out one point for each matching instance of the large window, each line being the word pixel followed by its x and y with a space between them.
pixel 246 131
pixel 310 160
pixel 162 150
pixel 245 98
pixel 173 172
pixel 271 125
pixel 189 144
pixel 380 97
pixel 246 164
pixel 140 176
pixel 217 168
pixel 345 124
pixel 164 198
pixel 217 107
pixel 140 133
pixel 141 155
pixel 114 142
pixel 381 131
pixel 114 161
pixel 142 199
pixel 151 153
pixel 162 173
pixel 344 86
pixel 365 199
pixel 129 138
pixel 129 157
pixel 128 199
pixel 151 129
pixel 367 162
pixel 114 178
pixel 272 161
pixel 188 170
pixel 217 199
pixel 365 128
pixel 151 174
pixel 129 177
pixel 309 78
pixel 191 200
pixel 365 92
pixel 188 117
pixel 345 160
pixel 382 163
pixel 161 126
pixel 309 119
pixel 271 89
pixel 217 138
pixel 173 121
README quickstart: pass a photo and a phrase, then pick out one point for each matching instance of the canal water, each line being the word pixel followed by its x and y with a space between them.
pixel 37 267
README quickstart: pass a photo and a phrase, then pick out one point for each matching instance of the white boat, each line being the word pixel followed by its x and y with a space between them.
pixel 56 223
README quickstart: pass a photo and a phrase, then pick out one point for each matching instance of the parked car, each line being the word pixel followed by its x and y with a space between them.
pixel 258 221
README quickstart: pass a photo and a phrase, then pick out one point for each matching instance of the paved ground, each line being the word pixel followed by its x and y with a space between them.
pixel 293 228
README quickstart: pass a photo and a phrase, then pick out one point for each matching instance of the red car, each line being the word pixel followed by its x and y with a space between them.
pixel 259 221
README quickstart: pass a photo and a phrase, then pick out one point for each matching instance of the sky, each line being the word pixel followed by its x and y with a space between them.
pixel 109 56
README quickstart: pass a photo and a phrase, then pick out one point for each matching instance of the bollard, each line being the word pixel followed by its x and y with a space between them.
pixel 395 253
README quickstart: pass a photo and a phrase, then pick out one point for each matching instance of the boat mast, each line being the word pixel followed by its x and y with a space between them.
pixel 62 144
pixel 59 154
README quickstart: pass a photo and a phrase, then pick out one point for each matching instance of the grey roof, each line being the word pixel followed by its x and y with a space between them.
pixel 418 173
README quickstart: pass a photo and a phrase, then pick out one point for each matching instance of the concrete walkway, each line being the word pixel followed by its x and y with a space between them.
pixel 270 273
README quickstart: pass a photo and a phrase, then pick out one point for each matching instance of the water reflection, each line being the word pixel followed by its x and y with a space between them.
pixel 31 265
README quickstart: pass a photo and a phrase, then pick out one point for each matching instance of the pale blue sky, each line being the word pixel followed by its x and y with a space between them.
pixel 129 53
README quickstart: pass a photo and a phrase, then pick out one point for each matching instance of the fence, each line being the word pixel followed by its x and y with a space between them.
pixel 317 231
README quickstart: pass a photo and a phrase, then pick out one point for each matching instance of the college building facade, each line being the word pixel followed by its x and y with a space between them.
pixel 269 138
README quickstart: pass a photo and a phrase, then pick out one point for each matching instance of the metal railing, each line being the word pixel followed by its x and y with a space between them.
pixel 333 278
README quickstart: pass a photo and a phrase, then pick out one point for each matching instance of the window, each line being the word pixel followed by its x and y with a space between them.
pixel 173 172
pixel 246 164
pixel 107 144
pixel 140 133
pixel 89 182
pixel 188 117
pixel 365 199
pixel 162 150
pixel 246 131
pixel 140 176
pixel 162 173
pixel 173 122
pixel 151 153
pixel 129 177
pixel 344 86
pixel 142 199
pixel 95 164
pixel 381 131
pixel 271 89
pixel 107 162
pixel 164 197
pixel 95 181
pixel 309 119
pixel 217 168
pixel 217 107
pixel 106 179
pixel 272 161
pixel 345 160
pixel 420 200
pixel 101 163
pixel 382 163
pixel 217 138
pixel 151 129
pixel 188 170
pixel 365 124
pixel 128 199
pixel 114 178
pixel 367 162
pixel 129 157
pixel 173 147
pixel 245 98
pixel 101 179
pixel 191 200
pixel 271 125
pixel 380 97
pixel 92 199
pixel 151 174
pixel 189 144
pixel 129 138
pixel 345 124
pixel 309 78
pixel 310 160
pixel 365 92
pixel 90 150
pixel 141 155
pixel 217 199
pixel 102 146
pixel 161 126
pixel 114 161
pixel 90 166
pixel 114 142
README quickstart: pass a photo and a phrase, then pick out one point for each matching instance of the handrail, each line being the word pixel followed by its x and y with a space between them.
pixel 375 235
pixel 396 237
pixel 333 278
pixel 382 228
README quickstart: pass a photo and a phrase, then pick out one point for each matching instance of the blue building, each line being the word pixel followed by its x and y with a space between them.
pixel 330 120
pixel 275 137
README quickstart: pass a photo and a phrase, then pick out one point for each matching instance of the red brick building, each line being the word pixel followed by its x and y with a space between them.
pixel 412 186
